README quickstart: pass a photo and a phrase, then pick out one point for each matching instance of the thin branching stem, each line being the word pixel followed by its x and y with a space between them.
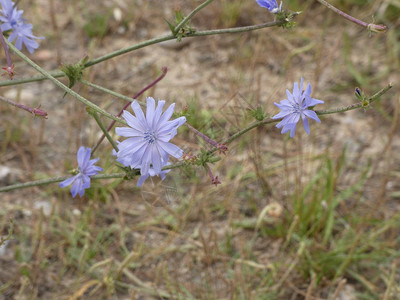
pixel 145 44
pixel 319 112
pixel 35 111
pixel 369 26
pixel 233 137
pixel 95 177
pixel 370 100
pixel 63 86
pixel 105 132
pixel 53 180
pixel 171 37
pixel 55 74
pixel 108 91
pixel 189 16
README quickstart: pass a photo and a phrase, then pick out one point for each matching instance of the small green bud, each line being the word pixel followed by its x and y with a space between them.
pixel 74 72
pixel 258 114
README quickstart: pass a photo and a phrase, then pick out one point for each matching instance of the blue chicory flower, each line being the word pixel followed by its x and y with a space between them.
pixel 81 181
pixel 147 147
pixel 271 5
pixel 294 107
pixel 12 20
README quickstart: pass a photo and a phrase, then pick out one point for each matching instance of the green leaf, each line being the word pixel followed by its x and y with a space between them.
pixel 171 27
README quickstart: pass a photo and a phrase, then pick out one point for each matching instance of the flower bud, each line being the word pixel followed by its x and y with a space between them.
pixel 377 28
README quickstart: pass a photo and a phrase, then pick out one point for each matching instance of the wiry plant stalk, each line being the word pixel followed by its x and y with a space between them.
pixel 35 111
pixel 10 67
pixel 189 16
pixel 370 26
pixel 318 112
pixel 99 176
pixel 63 86
pixel 157 40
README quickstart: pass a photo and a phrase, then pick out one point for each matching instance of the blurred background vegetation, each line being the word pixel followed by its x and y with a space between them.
pixel 314 217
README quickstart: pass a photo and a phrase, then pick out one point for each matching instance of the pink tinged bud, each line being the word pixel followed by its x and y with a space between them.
pixel 10 71
pixel 214 180
pixel 189 158
pixel 222 148
pixel 377 28
pixel 39 113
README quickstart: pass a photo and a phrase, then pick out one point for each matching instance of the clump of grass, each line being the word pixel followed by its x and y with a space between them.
pixel 97 26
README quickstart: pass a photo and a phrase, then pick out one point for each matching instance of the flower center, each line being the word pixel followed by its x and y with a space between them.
pixel 150 137
pixel 297 108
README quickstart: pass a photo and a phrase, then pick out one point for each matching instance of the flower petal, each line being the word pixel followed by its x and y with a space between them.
pixel 282 114
pixel 77 187
pixel 139 113
pixel 165 116
pixel 306 125
pixel 311 101
pixel 133 122
pixel 158 113
pixel 171 149
pixel 128 132
pixel 80 155
pixel 312 115
pixel 67 182
pixel 150 110
pixel 142 179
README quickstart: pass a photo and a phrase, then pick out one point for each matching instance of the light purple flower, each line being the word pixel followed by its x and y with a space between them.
pixel 21 31
pixel 147 147
pixel 294 107
pixel 271 5
pixel 81 181
pixel 12 16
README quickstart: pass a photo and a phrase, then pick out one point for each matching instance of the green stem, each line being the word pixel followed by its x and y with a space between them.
pixel 236 29
pixel 195 11
pixel 370 100
pixel 318 112
pixel 53 180
pixel 63 86
pixel 100 176
pixel 110 92
pixel 55 74
pixel 129 49
pixel 105 132
pixel 145 44
pixel 171 37
pixel 212 159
